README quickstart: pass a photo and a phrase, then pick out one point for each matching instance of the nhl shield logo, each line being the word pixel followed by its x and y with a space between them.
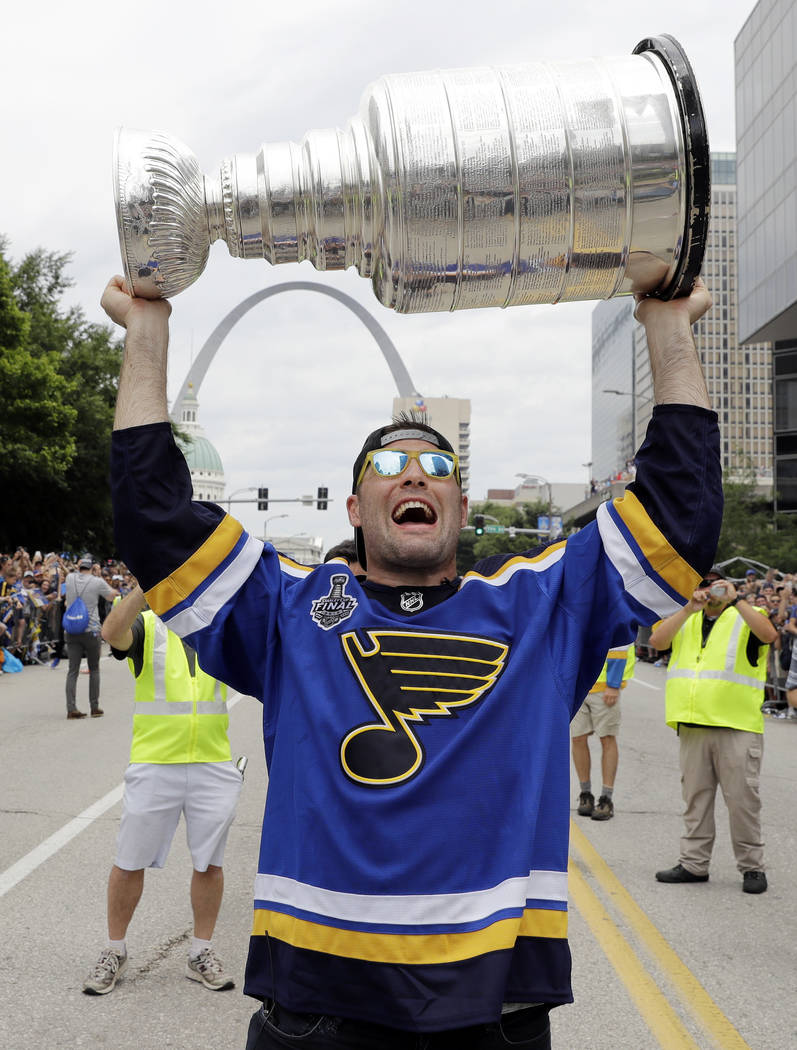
pixel 411 601
pixel 335 607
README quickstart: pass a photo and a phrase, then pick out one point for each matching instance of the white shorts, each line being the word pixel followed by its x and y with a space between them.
pixel 155 796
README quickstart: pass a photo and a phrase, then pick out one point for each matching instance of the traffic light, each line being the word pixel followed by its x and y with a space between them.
pixel 322 497
pixel 478 524
pixel 262 499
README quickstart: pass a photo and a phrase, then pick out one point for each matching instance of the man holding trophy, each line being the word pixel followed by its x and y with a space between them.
pixel 412 878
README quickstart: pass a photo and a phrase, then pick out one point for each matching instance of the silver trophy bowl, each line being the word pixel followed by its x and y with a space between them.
pixel 541 183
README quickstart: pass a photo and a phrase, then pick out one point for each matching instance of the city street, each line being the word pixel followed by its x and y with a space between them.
pixel 673 966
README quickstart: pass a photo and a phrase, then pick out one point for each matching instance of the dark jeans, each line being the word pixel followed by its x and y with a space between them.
pixel 274 1028
pixel 77 646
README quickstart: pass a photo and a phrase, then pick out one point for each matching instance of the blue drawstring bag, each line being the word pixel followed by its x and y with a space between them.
pixel 76 617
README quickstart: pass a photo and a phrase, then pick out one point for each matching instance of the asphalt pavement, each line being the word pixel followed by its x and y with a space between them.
pixel 653 966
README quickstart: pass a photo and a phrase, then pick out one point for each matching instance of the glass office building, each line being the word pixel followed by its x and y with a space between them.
pixel 766 136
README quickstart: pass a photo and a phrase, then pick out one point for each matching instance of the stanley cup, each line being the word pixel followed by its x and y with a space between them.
pixel 539 183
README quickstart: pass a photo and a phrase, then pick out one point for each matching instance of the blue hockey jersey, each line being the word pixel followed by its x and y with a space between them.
pixel 413 861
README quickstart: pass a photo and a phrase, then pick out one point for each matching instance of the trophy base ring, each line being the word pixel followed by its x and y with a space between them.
pixel 697 171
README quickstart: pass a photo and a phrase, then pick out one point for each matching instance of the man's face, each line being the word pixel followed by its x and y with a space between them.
pixel 409 522
pixel 715 602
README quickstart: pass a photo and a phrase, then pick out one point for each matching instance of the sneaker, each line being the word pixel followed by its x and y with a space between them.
pixel 679 874
pixel 97 712
pixel 107 970
pixel 76 714
pixel 604 809
pixel 792 714
pixel 586 804
pixel 207 969
pixel 754 882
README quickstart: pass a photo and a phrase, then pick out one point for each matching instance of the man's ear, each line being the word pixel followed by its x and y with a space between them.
pixel 464 512
pixel 353 508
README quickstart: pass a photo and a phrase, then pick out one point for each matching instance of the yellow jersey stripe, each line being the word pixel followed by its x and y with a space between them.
pixel 171 591
pixel 663 558
pixel 406 948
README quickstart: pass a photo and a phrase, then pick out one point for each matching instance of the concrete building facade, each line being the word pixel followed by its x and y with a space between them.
pixel 766 141
pixel 449 415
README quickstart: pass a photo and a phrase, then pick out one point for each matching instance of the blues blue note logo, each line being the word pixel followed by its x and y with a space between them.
pixel 335 607
pixel 410 677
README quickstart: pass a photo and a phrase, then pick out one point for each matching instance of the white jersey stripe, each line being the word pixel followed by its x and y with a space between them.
pixel 635 580
pixel 410 910
pixel 504 575
pixel 200 614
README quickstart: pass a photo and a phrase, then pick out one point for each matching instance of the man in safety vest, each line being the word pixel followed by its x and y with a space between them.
pixel 715 688
pixel 600 714
pixel 180 762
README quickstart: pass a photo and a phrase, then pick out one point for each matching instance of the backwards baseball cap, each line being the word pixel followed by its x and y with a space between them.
pixel 401 430
pixel 85 563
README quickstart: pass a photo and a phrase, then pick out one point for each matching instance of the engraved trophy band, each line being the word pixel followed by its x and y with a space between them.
pixel 539 183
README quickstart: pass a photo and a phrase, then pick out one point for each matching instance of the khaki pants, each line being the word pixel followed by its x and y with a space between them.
pixel 732 759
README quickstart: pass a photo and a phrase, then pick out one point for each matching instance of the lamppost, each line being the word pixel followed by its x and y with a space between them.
pixel 537 480
pixel 249 488
pixel 634 398
pixel 271 517
pixel 588 490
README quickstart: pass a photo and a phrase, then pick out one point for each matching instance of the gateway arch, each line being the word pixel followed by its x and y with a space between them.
pixel 197 371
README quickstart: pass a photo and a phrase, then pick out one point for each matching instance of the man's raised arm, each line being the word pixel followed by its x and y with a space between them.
pixel 142 381
pixel 677 373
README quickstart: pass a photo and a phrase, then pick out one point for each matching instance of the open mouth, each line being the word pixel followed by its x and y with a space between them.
pixel 414 512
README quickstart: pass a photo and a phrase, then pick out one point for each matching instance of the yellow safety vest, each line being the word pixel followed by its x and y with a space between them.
pixel 617 653
pixel 178 718
pixel 716 685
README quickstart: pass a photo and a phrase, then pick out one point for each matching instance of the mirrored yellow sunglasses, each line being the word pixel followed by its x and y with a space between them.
pixel 390 462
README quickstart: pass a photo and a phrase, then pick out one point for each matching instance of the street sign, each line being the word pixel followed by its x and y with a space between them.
pixel 494 528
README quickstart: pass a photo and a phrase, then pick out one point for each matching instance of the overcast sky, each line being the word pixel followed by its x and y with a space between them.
pixel 299 381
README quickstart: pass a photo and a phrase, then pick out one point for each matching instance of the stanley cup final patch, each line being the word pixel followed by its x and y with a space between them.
pixel 335 607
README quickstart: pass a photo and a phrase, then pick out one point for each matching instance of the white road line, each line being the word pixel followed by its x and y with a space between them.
pixel 647 685
pixel 39 854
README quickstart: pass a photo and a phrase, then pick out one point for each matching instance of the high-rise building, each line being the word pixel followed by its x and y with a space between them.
pixel 449 415
pixel 738 376
pixel 766 144
pixel 614 402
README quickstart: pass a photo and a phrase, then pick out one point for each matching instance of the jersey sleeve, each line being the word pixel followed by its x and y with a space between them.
pixel 642 558
pixel 614 672
pixel 202 573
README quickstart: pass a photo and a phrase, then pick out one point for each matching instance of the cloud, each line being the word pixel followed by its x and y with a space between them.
pixel 299 381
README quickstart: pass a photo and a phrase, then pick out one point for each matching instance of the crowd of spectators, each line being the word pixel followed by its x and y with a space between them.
pixel 776 592
pixel 628 473
pixel 32 601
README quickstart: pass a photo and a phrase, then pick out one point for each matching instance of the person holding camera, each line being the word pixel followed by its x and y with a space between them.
pixel 715 688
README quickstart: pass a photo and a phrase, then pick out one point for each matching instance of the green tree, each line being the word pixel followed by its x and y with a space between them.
pixel 472 548
pixel 58 376
pixel 750 529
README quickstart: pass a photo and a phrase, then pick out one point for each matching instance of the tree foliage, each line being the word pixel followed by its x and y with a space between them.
pixel 473 548
pixel 58 377
pixel 750 529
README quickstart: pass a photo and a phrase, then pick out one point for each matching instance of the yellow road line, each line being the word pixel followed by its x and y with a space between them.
pixel 694 995
pixel 650 1001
